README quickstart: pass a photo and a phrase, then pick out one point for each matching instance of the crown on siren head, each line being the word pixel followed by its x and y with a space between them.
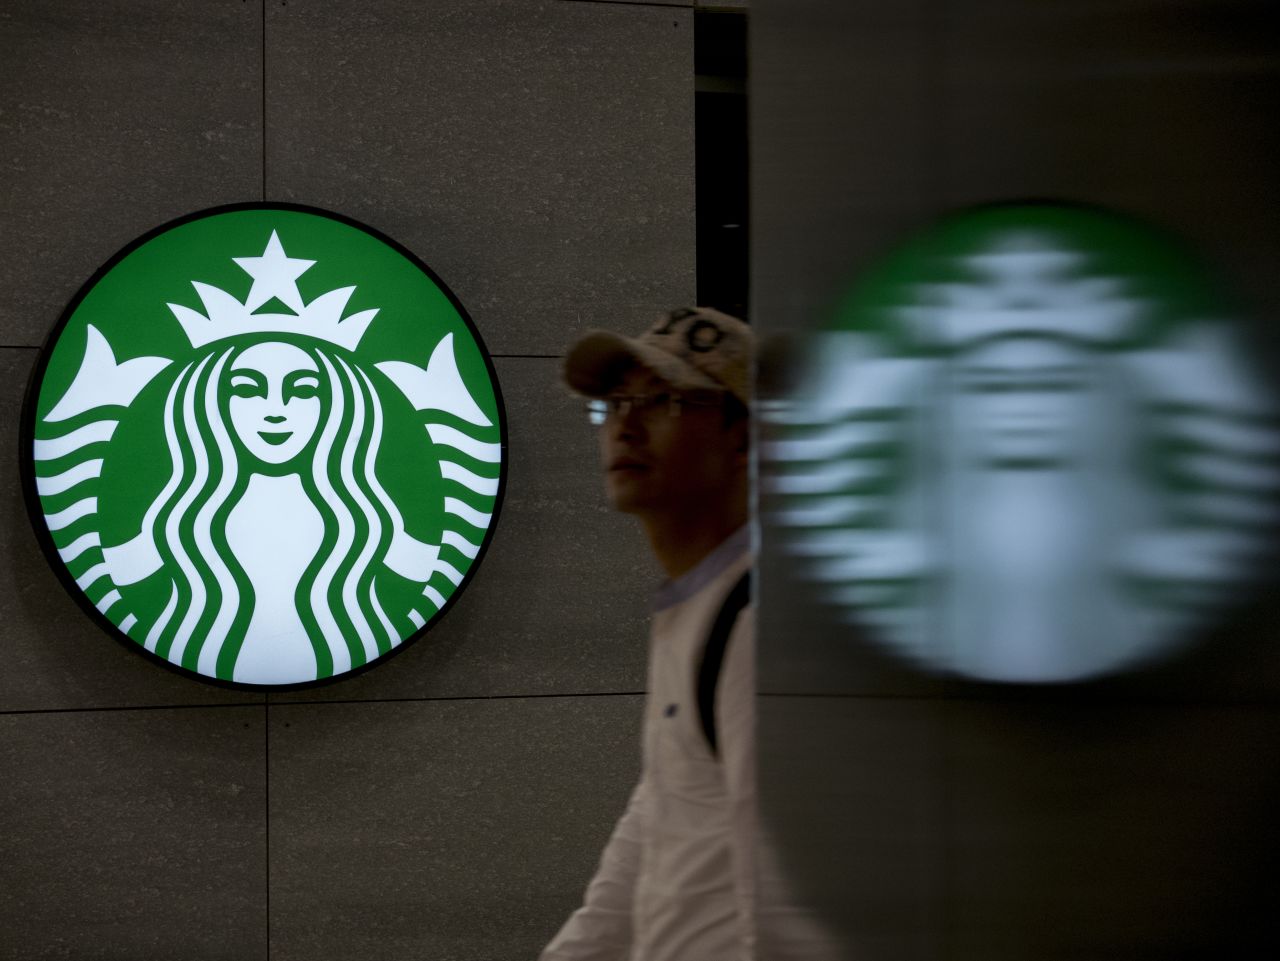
pixel 275 277
pixel 1023 284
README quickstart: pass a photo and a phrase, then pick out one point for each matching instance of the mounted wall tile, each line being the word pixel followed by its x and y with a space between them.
pixel 458 829
pixel 1025 829
pixel 843 117
pixel 116 117
pixel 538 155
pixel 560 602
pixel 1093 830
pixel 846 783
pixel 1160 111
pixel 56 657
pixel 133 834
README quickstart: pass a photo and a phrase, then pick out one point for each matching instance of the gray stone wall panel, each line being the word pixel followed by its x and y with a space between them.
pixel 1092 830
pixel 116 117
pixel 133 834
pixel 433 830
pixel 870 795
pixel 539 156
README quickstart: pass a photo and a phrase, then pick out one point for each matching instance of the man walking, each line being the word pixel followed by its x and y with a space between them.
pixel 676 880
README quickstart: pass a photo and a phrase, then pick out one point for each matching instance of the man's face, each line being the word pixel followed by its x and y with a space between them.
pixel 658 463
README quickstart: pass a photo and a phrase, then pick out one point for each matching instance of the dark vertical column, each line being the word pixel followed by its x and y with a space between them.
pixel 720 122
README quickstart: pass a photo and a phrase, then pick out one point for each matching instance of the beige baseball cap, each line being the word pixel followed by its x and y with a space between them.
pixel 689 348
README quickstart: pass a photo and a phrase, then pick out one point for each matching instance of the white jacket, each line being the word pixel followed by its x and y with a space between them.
pixel 676 880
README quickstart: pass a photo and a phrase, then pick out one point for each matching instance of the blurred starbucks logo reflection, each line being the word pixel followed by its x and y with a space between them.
pixel 1032 447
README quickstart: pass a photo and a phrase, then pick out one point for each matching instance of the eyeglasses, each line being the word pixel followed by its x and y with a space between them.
pixel 645 405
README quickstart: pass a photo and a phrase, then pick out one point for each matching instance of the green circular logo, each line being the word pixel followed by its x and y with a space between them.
pixel 265 444
pixel 1032 445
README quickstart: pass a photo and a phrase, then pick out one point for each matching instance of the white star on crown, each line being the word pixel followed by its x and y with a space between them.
pixel 275 275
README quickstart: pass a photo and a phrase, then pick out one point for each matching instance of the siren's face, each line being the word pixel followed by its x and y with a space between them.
pixel 275 400
pixel 1024 402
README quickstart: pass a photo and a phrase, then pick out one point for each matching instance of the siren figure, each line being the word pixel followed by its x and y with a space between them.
pixel 273 520
pixel 981 470
pixel 272 527
pixel 1035 501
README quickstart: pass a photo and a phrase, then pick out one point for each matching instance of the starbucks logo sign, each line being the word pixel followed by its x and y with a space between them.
pixel 266 445
pixel 1032 445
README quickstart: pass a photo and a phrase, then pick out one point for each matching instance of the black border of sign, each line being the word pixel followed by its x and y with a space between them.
pixel 26 460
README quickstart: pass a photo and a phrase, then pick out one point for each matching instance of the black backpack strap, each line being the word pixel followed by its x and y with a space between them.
pixel 713 656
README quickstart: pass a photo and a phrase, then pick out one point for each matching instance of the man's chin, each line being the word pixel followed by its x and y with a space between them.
pixel 627 505
pixel 627 498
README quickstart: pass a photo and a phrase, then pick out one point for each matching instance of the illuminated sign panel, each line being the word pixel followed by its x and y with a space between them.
pixel 1032 446
pixel 266 445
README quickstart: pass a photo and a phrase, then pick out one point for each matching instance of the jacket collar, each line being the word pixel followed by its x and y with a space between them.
pixel 671 593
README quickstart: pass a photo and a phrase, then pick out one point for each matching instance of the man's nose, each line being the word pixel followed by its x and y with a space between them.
pixel 275 418
pixel 628 421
